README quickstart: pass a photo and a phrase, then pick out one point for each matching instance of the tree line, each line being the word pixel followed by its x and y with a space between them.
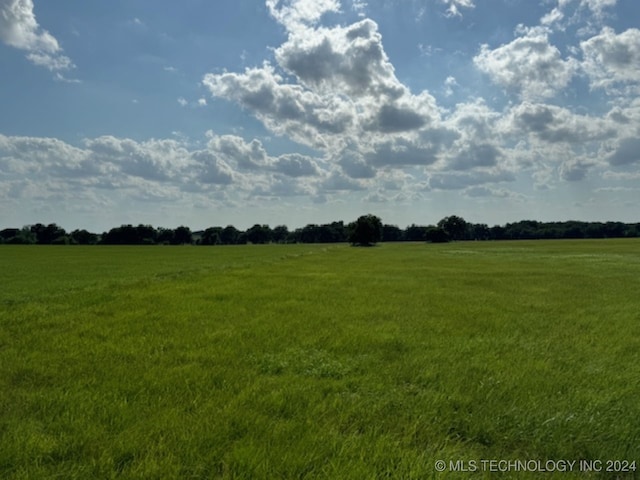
pixel 366 230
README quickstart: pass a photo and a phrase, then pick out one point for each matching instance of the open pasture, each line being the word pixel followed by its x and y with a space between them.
pixel 318 361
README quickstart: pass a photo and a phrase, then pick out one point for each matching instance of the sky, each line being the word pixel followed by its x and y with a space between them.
pixel 290 112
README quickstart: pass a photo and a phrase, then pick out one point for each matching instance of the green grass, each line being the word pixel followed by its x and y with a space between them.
pixel 302 361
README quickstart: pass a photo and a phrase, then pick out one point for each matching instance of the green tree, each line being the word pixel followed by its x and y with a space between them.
pixel 47 234
pixel 456 227
pixel 280 234
pixel 83 237
pixel 211 236
pixel 436 235
pixel 164 236
pixel 181 236
pixel 24 237
pixel 259 234
pixel 146 235
pixel 415 233
pixel 391 233
pixel 229 235
pixel 8 234
pixel 366 231
pixel 479 231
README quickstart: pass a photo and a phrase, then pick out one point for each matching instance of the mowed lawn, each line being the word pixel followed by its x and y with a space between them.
pixel 318 361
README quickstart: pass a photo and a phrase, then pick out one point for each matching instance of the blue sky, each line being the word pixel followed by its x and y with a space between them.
pixel 308 111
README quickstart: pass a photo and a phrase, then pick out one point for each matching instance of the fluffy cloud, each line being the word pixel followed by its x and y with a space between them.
pixel 334 89
pixel 392 118
pixel 556 143
pixel 529 66
pixel 474 120
pixel 354 165
pixel 403 152
pixel 285 109
pixel 282 186
pixel 611 59
pixel 341 97
pixel 33 157
pixel 295 165
pixel 158 160
pixel 553 124
pixel 337 182
pixel 350 60
pixel 19 29
pixel 231 148
pixel 297 13
pixel 478 155
pixel 103 161
pixel 477 139
pixel 554 16
pixel 147 169
pixel 345 93
pixel 211 170
pixel 252 159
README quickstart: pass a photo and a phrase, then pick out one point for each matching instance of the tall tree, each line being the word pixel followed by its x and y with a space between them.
pixel 259 234
pixel 280 234
pixel 456 227
pixel 164 236
pixel 47 234
pixel 211 236
pixel 367 230
pixel 436 235
pixel 181 236
pixel 229 235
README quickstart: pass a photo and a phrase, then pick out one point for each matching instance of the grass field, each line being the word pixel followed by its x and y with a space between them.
pixel 317 361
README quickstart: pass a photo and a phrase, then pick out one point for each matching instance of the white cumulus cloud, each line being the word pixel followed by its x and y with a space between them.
pixel 529 65
pixel 20 29
pixel 611 59
pixel 296 13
